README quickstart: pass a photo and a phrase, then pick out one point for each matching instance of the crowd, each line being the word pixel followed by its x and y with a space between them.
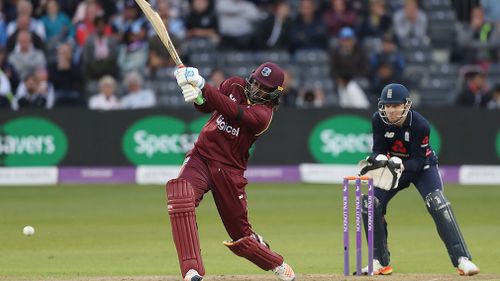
pixel 104 54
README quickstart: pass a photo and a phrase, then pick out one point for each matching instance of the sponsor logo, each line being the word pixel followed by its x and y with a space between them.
pixel 407 136
pixel 266 71
pixel 160 140
pixel 389 93
pixel 389 134
pixel 232 97
pixel 32 141
pixel 225 127
pixel 344 139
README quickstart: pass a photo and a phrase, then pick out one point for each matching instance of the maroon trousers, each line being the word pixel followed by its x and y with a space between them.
pixel 228 189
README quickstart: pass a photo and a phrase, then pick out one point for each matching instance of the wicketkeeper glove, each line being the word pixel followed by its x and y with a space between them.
pixel 189 75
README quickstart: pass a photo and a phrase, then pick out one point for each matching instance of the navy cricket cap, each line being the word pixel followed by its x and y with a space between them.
pixel 394 94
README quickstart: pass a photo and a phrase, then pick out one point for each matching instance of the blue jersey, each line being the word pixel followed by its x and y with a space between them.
pixel 409 142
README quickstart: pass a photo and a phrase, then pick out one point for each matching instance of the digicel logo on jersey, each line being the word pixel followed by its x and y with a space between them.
pixel 343 139
pixel 225 127
pixel 160 140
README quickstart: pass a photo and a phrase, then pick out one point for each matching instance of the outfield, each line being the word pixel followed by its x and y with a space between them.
pixel 123 230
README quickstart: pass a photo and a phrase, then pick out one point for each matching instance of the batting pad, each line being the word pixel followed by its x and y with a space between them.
pixel 181 209
pixel 255 252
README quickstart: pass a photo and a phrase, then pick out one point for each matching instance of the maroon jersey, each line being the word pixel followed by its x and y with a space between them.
pixel 234 126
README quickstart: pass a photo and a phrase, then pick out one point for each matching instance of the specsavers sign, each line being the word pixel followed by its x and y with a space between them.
pixel 160 140
pixel 344 139
pixel 31 141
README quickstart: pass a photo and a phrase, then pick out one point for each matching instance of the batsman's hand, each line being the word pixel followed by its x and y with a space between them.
pixel 189 75
pixel 192 94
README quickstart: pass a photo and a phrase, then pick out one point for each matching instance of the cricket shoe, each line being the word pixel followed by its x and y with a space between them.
pixel 378 269
pixel 193 275
pixel 466 267
pixel 284 272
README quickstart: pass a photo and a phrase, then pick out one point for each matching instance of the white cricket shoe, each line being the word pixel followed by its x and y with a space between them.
pixel 466 267
pixel 378 269
pixel 193 275
pixel 284 272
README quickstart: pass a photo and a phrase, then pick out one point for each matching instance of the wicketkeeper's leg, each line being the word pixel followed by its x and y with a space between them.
pixel 380 248
pixel 440 209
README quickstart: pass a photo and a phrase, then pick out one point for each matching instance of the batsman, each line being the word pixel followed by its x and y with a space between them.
pixel 402 155
pixel 242 110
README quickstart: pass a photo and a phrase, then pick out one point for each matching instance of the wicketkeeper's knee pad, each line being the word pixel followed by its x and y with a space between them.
pixel 440 209
pixel 255 251
pixel 181 209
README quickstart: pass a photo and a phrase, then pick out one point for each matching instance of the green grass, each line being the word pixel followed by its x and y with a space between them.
pixel 124 230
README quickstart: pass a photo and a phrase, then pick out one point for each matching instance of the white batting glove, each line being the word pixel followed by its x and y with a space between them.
pixel 189 75
pixel 192 94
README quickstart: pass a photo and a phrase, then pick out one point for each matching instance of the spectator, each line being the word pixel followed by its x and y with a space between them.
pixel 133 53
pixel 311 98
pixel 202 22
pixel 339 15
pixel 128 20
pixel 388 54
pixel 66 76
pixel 348 59
pixel 473 38
pixel 137 97
pixel 377 22
pixel 100 52
pixel 58 26
pixel 6 96
pixel 25 8
pixel 86 27
pixel 23 24
pixel 35 91
pixel 384 74
pixel 308 31
pixel 492 10
pixel 474 94
pixel 87 10
pixel 158 55
pixel 274 29
pixel 217 76
pixel 410 22
pixel 3 27
pixel 106 98
pixel 350 94
pixel 494 100
pixel 237 19
pixel 25 58
pixel 175 25
pixel 8 69
pixel 290 92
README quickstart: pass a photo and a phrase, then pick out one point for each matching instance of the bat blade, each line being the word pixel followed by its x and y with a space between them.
pixel 160 29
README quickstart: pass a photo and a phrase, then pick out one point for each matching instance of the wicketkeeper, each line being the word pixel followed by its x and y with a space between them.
pixel 402 155
pixel 242 110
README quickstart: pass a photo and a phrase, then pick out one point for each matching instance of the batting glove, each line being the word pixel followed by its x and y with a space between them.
pixel 192 94
pixel 189 75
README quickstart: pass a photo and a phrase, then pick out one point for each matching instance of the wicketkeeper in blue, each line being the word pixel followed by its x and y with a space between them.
pixel 402 155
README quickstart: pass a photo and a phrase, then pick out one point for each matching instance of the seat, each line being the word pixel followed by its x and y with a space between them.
pixel 279 57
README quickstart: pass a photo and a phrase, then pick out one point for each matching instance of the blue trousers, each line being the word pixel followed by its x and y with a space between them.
pixel 426 181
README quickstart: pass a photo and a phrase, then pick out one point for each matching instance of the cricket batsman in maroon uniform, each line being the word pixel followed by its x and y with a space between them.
pixel 242 110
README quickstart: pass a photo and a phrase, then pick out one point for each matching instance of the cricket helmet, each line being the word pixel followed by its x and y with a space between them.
pixel 265 84
pixel 394 94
